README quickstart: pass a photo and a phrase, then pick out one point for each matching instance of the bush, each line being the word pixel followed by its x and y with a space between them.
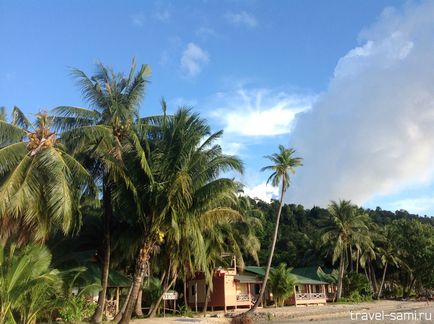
pixel 77 309
pixel 357 287
pixel 281 283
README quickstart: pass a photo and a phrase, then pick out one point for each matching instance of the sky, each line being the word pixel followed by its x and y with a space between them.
pixel 348 84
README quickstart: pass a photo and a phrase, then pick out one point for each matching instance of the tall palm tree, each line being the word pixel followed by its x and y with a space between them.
pixel 185 164
pixel 284 163
pixel 102 136
pixel 345 226
pixel 388 256
pixel 41 184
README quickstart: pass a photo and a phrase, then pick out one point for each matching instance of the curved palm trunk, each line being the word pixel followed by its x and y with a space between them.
pixel 382 281
pixel 373 277
pixel 158 302
pixel 118 316
pixel 341 276
pixel 139 274
pixel 138 309
pixel 205 306
pixel 107 201
pixel 270 257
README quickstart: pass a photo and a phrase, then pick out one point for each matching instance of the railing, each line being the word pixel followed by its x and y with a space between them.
pixel 331 296
pixel 243 297
pixel 309 296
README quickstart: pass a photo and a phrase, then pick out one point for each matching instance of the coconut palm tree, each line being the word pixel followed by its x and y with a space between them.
pixel 102 136
pixel 284 163
pixel 388 256
pixel 40 183
pixel 345 227
pixel 281 283
pixel 186 164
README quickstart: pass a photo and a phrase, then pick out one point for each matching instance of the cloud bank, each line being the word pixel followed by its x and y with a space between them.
pixel 372 132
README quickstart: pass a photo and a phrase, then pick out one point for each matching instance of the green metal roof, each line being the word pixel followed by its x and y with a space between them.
pixel 315 273
pixel 92 275
pixel 308 281
pixel 246 278
pixel 306 275
pixel 254 269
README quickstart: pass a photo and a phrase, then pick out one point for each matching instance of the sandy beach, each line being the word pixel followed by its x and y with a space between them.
pixel 377 311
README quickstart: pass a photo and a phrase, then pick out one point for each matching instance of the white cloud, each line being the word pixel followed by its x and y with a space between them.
pixel 138 19
pixel 241 18
pixel 418 205
pixel 259 112
pixel 206 32
pixel 372 132
pixel 193 59
pixel 262 191
pixel 162 15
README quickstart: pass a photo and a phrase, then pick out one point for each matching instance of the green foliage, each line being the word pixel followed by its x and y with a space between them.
pixel 357 287
pixel 185 311
pixel 28 286
pixel 152 289
pixel 76 309
pixel 40 183
pixel 281 283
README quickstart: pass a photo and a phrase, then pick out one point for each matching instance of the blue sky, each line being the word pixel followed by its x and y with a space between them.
pixel 321 76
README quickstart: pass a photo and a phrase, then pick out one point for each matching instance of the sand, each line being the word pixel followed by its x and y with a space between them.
pixel 331 313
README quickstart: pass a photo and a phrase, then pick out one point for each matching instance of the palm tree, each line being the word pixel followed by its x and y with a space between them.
pixel 284 163
pixel 345 226
pixel 28 286
pixel 102 136
pixel 388 256
pixel 41 185
pixel 281 283
pixel 186 193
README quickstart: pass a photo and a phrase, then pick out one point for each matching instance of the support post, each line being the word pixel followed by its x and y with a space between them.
pixel 117 300
pixel 195 296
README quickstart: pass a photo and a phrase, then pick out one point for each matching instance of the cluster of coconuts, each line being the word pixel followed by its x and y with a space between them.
pixel 42 138
pixel 120 130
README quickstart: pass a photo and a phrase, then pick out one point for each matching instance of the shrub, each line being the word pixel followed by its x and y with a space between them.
pixel 281 283
pixel 77 309
pixel 357 287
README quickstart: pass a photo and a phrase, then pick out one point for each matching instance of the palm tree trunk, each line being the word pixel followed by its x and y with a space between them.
pixel 357 261
pixel 185 292
pixel 138 309
pixel 270 257
pixel 139 274
pixel 158 302
pixel 341 276
pixel 207 295
pixel 373 277
pixel 122 311
pixel 382 281
pixel 107 202
pixel 351 259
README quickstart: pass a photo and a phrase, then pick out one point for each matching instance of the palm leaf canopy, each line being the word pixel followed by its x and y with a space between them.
pixel 40 183
pixel 284 163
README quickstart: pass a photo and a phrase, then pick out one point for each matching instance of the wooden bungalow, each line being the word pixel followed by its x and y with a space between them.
pixel 326 275
pixel 231 290
pixel 308 292
pixel 312 285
